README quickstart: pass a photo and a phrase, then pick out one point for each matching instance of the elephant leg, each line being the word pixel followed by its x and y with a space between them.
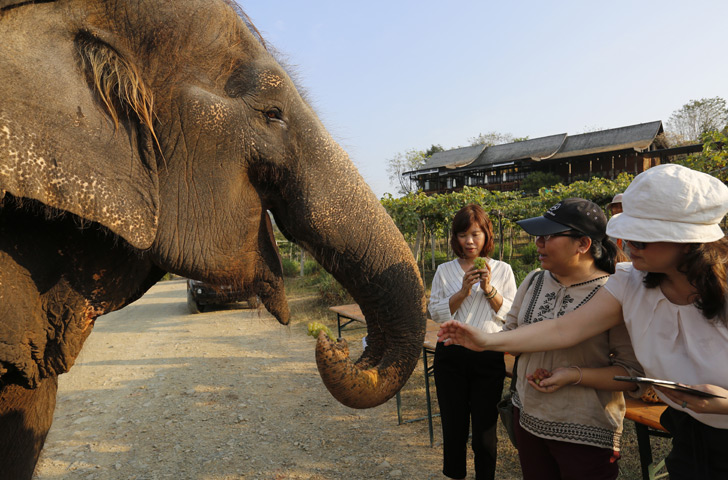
pixel 25 418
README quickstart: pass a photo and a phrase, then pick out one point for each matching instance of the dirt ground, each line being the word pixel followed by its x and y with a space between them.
pixel 159 393
pixel 227 394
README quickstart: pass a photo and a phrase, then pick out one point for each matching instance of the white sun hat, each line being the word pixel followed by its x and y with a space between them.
pixel 671 203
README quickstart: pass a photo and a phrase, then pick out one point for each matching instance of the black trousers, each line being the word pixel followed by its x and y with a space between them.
pixel 469 385
pixel 698 451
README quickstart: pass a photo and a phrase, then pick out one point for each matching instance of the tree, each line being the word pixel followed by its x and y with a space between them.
pixel 714 157
pixel 696 118
pixel 406 162
pixel 491 138
pixel 433 150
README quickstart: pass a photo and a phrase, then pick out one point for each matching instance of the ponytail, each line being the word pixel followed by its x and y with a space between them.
pixel 607 254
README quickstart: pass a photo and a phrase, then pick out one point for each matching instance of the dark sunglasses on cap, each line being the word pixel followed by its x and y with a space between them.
pixel 638 245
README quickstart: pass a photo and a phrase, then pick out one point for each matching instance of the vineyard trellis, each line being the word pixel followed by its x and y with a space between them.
pixel 420 217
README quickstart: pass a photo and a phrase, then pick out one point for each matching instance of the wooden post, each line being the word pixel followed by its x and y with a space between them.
pixel 303 257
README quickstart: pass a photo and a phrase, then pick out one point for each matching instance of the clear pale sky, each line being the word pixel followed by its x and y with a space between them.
pixel 389 76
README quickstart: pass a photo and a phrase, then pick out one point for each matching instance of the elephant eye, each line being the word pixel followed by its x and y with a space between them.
pixel 274 113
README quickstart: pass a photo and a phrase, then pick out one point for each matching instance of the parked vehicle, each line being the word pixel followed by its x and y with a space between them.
pixel 201 294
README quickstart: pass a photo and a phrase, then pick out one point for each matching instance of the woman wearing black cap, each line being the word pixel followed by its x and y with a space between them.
pixel 569 410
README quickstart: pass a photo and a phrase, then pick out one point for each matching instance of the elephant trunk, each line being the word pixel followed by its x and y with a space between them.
pixel 353 238
pixel 392 301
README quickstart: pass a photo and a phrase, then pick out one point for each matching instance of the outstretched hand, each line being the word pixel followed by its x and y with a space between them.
pixel 457 333
pixel 699 404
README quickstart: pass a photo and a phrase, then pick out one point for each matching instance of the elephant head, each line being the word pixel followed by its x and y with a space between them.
pixel 144 136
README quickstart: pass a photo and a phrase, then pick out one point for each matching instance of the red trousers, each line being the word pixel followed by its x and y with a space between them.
pixel 544 459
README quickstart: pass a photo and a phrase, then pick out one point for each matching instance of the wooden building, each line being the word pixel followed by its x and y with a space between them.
pixel 604 153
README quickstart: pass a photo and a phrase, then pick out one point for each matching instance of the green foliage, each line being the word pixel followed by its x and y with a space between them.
pixel 311 267
pixel 506 251
pixel 436 211
pixel 440 257
pixel 537 180
pixel 521 269
pixel 528 253
pixel 331 291
pixel 290 268
pixel 433 150
pixel 713 158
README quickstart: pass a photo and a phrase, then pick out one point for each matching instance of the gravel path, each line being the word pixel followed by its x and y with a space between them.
pixel 158 393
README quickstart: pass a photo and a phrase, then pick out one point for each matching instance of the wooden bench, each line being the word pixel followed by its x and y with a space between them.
pixel 646 416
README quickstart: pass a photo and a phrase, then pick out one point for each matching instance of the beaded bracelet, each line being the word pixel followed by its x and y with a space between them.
pixel 493 293
pixel 580 375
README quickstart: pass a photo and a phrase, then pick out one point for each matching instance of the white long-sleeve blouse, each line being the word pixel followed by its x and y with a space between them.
pixel 476 309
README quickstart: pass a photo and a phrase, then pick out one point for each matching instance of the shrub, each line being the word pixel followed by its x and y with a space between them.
pixel 291 268
pixel 506 251
pixel 536 180
pixel 528 253
pixel 311 267
pixel 440 257
pixel 331 291
pixel 521 270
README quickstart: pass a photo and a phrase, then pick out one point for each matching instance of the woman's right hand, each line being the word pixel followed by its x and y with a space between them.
pixel 470 278
pixel 457 333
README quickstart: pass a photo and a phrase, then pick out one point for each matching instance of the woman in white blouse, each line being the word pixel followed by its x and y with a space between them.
pixel 469 384
pixel 672 298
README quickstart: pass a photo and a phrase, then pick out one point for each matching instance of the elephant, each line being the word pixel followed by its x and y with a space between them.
pixel 139 137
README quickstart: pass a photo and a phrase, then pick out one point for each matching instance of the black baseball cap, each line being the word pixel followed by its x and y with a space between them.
pixel 569 214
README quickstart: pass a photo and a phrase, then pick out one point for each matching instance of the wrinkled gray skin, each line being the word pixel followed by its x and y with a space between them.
pixel 138 137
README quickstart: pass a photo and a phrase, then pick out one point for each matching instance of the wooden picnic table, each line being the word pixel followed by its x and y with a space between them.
pixel 348 313
pixel 646 416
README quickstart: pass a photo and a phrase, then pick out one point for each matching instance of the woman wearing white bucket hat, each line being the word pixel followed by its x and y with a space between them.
pixel 672 298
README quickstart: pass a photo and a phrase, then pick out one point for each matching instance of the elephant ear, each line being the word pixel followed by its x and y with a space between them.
pixel 76 124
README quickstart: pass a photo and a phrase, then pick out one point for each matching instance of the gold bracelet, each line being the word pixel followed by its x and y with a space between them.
pixel 493 293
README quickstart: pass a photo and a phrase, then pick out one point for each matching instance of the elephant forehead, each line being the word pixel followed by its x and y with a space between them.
pixel 211 113
pixel 270 79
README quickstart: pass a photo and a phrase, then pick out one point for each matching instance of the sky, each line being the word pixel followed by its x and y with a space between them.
pixel 386 77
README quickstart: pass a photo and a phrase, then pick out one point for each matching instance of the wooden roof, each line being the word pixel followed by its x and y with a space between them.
pixel 534 149
pixel 638 137
pixel 458 157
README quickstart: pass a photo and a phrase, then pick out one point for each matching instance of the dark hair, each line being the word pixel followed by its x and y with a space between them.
pixel 705 267
pixel 461 222
pixel 607 254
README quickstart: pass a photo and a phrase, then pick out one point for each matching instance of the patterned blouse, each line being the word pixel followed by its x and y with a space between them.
pixel 573 414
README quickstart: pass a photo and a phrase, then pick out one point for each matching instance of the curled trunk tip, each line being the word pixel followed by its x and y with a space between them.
pixel 356 386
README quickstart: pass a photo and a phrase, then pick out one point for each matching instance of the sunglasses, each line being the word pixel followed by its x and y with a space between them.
pixel 546 238
pixel 637 245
